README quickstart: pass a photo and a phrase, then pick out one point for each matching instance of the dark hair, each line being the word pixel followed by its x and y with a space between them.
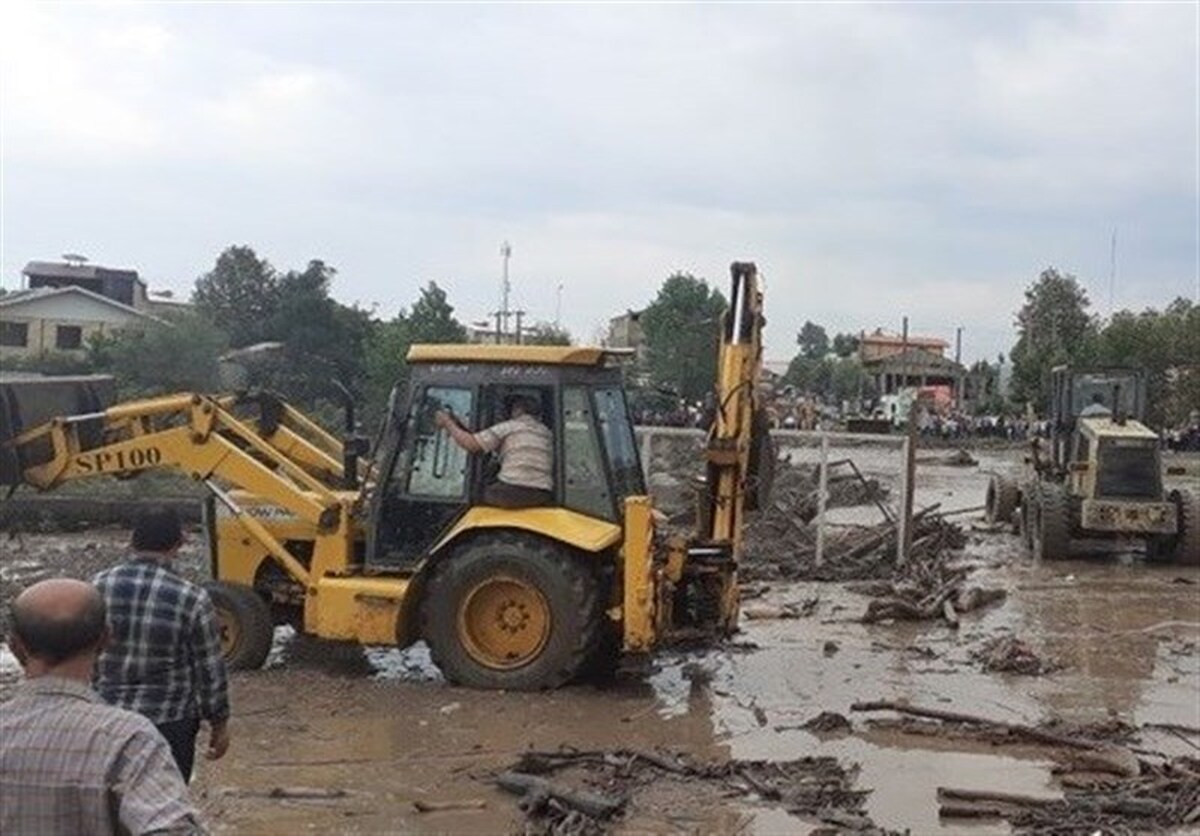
pixel 157 530
pixel 528 404
pixel 56 640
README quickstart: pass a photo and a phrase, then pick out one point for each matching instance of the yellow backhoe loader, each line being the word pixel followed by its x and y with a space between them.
pixel 303 531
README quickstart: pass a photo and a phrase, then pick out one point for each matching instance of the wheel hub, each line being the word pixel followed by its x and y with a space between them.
pixel 227 629
pixel 504 622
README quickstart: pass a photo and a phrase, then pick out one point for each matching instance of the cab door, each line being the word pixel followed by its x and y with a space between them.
pixel 427 478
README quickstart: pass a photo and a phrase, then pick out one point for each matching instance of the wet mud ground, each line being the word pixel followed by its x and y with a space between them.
pixel 379 730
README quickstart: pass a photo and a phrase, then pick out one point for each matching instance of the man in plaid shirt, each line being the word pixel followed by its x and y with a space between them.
pixel 164 659
pixel 69 764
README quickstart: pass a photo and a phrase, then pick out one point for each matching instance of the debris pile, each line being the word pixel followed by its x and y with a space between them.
pixel 1008 654
pixel 1160 798
pixel 585 792
pixel 930 586
pixel 1108 788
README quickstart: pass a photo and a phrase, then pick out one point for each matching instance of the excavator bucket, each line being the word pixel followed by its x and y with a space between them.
pixel 26 401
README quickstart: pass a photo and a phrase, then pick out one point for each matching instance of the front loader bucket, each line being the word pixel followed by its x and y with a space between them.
pixel 27 401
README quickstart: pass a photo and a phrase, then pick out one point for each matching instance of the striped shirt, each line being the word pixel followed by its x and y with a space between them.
pixel 71 765
pixel 164 659
pixel 526 448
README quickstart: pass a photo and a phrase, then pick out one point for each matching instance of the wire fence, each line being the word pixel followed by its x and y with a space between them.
pixel 858 479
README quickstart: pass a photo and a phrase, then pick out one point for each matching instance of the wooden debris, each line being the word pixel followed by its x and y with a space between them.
pixel 1016 729
pixel 812 786
pixel 538 790
pixel 307 793
pixel 422 806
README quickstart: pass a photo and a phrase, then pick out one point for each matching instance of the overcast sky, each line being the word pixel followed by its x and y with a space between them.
pixel 875 160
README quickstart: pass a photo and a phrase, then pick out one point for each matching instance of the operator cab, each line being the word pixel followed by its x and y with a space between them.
pixel 426 481
pixel 1096 414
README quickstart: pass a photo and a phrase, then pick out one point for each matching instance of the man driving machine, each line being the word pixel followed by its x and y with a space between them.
pixel 525 447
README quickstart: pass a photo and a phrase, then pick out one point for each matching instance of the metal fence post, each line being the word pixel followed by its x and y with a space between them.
pixel 822 498
pixel 901 517
pixel 647 451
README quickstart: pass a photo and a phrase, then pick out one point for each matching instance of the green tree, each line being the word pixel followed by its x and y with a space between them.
pixel 386 350
pixel 1053 327
pixel 431 318
pixel 833 379
pixel 682 327
pixel 240 294
pixel 1165 346
pixel 802 372
pixel 323 339
pixel 813 341
pixel 177 355
pixel 545 333
pixel 51 363
pixel 848 381
pixel 845 345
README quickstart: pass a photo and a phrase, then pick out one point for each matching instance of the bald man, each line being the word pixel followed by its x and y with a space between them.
pixel 69 764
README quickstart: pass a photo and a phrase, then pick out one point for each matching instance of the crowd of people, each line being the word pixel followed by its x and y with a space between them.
pixel 931 424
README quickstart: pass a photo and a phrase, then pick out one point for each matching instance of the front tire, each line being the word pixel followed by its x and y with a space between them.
pixel 1026 516
pixel 1052 532
pixel 513 612
pixel 1187 541
pixel 1002 497
pixel 245 624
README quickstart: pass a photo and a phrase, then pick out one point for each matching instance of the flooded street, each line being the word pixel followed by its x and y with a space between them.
pixel 375 732
pixel 1125 634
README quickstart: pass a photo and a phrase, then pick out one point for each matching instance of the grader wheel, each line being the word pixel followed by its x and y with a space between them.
pixel 245 624
pixel 1002 497
pixel 1052 526
pixel 514 612
pixel 1187 541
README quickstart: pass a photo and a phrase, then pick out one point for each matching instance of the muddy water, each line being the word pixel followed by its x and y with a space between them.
pixel 384 728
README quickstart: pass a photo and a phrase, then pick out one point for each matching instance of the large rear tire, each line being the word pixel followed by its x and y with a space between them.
pixel 1052 532
pixel 244 621
pixel 1002 497
pixel 1187 541
pixel 1026 516
pixel 513 612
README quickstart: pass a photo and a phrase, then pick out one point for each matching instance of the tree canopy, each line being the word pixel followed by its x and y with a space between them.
pixel 682 327
pixel 813 341
pixel 240 295
pixel 1053 327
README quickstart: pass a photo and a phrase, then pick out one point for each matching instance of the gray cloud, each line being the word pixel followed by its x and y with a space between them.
pixel 876 160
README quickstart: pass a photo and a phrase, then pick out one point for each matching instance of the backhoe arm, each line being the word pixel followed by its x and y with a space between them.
pixel 731 438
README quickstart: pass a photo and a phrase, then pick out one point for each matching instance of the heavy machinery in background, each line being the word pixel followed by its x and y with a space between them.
pixel 1099 475
pixel 400 548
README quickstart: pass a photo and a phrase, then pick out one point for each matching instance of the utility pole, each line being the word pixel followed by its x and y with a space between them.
pixel 505 287
pixel 958 393
pixel 558 307
pixel 518 315
pixel 1112 274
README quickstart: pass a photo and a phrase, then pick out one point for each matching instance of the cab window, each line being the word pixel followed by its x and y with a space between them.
pixel 439 466
pixel 620 448
pixel 585 486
